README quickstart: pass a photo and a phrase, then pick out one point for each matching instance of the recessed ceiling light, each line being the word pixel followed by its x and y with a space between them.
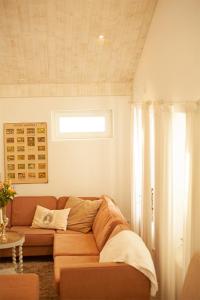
pixel 101 37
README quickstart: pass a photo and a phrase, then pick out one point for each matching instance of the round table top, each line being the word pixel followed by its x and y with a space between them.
pixel 13 239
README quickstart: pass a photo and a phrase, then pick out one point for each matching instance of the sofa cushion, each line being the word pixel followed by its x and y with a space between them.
pixel 106 219
pixel 61 262
pixel 50 218
pixel 61 202
pixel 75 244
pixel 118 229
pixel 35 237
pixel 23 208
pixel 82 213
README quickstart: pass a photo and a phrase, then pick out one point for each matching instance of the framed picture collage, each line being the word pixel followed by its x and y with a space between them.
pixel 25 152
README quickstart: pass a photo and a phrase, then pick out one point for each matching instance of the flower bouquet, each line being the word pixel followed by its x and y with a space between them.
pixel 7 194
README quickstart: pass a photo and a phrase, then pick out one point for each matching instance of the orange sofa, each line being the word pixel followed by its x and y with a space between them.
pixel 82 277
pixel 20 213
pixel 77 271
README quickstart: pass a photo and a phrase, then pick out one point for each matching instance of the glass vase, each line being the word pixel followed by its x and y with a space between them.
pixel 3 224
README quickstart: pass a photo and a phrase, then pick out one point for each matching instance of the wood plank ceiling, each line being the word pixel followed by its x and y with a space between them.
pixel 57 41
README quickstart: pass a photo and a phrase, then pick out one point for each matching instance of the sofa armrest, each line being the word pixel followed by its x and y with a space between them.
pixel 102 281
pixel 19 287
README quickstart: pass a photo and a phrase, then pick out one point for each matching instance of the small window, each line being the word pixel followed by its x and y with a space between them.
pixel 82 124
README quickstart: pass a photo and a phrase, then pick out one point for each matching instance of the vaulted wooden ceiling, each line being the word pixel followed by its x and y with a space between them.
pixel 57 41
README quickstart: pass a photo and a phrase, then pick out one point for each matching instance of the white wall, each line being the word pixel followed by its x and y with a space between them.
pixel 78 167
pixel 169 68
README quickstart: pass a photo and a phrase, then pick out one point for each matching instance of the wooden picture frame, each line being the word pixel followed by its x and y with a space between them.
pixel 25 152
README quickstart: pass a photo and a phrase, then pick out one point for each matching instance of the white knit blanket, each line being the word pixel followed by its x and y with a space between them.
pixel 128 247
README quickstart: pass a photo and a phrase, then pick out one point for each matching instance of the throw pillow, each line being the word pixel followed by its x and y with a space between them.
pixel 82 213
pixel 108 198
pixel 54 219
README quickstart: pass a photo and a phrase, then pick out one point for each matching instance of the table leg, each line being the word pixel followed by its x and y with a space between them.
pixel 14 257
pixel 20 259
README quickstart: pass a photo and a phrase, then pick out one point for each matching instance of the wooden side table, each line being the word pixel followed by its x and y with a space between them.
pixel 14 239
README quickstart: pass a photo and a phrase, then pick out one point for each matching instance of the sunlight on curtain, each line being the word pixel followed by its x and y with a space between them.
pixel 143 169
pixel 179 192
pixel 161 187
pixel 152 176
pixel 137 170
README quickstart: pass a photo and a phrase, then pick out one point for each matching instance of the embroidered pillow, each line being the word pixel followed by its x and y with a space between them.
pixel 51 219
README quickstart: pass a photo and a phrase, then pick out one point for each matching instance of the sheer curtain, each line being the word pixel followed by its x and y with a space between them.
pixel 162 168
pixel 141 173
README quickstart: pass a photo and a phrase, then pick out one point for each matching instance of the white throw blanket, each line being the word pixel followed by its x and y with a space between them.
pixel 128 247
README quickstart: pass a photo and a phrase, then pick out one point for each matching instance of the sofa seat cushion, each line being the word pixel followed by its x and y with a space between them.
pixel 75 244
pixel 107 218
pixel 34 236
pixel 61 262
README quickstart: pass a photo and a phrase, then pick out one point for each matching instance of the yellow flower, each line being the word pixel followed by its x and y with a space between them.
pixel 10 189
pixel 7 193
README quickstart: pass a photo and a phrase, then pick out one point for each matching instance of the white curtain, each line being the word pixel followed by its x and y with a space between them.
pixel 162 185
pixel 141 173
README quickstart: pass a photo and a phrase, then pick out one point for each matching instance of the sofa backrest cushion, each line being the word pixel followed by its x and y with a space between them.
pixel 23 208
pixel 61 202
pixel 118 229
pixel 106 219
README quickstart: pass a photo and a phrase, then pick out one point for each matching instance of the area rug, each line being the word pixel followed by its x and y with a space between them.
pixel 43 266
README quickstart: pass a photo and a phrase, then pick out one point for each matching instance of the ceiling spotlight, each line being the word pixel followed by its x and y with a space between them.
pixel 101 37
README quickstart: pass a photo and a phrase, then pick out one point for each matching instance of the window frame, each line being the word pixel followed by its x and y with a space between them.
pixel 59 136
